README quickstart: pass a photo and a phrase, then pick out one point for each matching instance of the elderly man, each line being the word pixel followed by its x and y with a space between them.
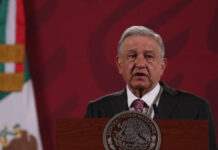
pixel 141 63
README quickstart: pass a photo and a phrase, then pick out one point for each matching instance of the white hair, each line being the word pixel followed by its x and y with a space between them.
pixel 142 31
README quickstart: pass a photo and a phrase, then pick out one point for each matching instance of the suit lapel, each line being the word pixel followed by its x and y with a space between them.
pixel 167 103
pixel 120 103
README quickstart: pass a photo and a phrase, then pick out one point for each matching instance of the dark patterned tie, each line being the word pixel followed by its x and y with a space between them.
pixel 139 105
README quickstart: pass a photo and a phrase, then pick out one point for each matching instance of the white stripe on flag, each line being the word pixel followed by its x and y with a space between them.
pixel 9 67
pixel 11 22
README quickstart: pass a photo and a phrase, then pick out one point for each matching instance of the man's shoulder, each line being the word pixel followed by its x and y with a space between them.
pixel 190 97
pixel 183 105
pixel 185 96
pixel 106 106
pixel 109 97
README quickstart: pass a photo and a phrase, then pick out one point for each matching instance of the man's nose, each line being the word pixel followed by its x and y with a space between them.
pixel 140 62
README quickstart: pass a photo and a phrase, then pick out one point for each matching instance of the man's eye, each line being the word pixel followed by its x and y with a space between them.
pixel 149 56
pixel 132 56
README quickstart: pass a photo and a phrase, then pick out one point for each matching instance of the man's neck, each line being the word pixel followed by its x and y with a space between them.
pixel 141 92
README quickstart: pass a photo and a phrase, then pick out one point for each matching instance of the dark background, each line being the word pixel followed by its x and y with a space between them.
pixel 71 46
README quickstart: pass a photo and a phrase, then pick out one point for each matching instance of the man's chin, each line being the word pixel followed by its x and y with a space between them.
pixel 141 86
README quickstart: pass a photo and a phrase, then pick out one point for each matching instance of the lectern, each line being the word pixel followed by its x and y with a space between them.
pixel 87 134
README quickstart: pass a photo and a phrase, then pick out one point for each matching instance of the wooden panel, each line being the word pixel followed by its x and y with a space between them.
pixel 86 134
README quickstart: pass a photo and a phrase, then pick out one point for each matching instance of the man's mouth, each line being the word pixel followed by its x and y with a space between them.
pixel 139 74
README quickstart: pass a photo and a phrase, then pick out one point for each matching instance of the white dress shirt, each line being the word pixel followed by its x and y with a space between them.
pixel 148 98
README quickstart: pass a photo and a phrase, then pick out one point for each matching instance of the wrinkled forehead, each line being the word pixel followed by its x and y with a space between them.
pixel 143 41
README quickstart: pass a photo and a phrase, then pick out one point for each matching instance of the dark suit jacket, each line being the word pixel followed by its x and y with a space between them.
pixel 173 104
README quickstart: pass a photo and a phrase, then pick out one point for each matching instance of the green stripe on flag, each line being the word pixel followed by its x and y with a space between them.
pixel 26 73
pixel 2 67
pixel 3 16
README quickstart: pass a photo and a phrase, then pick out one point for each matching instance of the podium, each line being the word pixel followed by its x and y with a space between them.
pixel 87 134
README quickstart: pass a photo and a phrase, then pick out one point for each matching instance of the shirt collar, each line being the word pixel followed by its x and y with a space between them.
pixel 148 98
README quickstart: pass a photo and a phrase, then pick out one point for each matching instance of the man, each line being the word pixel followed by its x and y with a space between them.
pixel 141 63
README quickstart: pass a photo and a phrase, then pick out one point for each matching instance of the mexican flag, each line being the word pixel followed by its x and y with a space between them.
pixel 18 117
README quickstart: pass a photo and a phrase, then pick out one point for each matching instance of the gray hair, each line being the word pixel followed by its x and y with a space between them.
pixel 142 31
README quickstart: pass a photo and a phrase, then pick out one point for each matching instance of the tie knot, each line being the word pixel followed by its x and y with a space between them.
pixel 138 105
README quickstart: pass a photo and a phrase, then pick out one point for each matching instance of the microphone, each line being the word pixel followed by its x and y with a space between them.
pixel 155 111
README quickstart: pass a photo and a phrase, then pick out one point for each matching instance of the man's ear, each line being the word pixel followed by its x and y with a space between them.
pixel 163 64
pixel 118 63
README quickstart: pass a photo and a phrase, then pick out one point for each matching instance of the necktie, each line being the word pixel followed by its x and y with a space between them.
pixel 139 105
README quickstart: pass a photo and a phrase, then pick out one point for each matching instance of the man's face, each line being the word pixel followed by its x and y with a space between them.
pixel 140 63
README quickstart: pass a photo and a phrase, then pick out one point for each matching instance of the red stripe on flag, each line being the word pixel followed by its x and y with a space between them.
pixel 20 23
pixel 19 68
pixel 20 31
